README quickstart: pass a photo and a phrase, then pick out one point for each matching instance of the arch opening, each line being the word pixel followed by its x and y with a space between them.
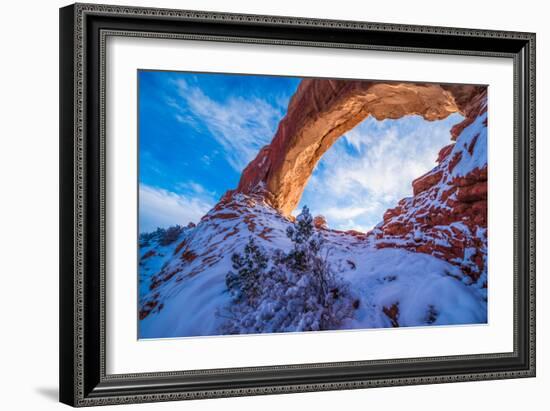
pixel 371 167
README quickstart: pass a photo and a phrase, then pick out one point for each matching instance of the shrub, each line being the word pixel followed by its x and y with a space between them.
pixel 294 291
pixel 249 268
pixel 170 235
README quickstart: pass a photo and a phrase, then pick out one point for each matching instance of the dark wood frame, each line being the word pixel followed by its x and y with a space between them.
pixel 83 30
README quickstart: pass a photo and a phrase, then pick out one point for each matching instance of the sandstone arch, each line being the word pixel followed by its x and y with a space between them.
pixel 322 110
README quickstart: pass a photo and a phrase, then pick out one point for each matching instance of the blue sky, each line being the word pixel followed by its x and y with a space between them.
pixel 371 168
pixel 197 132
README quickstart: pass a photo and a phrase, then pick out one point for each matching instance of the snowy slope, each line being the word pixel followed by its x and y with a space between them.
pixel 394 286
pixel 190 286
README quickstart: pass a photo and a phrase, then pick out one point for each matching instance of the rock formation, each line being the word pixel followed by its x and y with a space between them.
pixel 323 110
pixel 447 216
pixel 320 222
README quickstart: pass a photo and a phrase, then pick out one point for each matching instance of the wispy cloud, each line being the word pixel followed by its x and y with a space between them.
pixel 196 190
pixel 162 208
pixel 372 167
pixel 240 125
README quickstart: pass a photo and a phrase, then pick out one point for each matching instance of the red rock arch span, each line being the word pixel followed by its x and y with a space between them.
pixel 322 110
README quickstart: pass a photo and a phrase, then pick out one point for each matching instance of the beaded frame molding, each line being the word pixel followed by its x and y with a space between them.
pixel 84 29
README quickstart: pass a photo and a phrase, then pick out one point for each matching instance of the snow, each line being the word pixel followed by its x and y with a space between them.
pixel 427 290
pixel 192 297
pixel 149 266
pixel 478 158
pixel 415 282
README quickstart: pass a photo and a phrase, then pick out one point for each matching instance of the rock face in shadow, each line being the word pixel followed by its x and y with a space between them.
pixel 323 110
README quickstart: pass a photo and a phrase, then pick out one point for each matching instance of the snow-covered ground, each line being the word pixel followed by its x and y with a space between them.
pixel 425 291
pixel 184 282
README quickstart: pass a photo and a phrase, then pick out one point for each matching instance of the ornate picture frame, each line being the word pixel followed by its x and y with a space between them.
pixel 84 30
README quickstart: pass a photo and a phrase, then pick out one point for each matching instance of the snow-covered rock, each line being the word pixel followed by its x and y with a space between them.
pixel 393 287
pixel 447 216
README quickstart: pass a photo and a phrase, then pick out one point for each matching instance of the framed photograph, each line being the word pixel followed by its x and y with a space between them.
pixel 259 205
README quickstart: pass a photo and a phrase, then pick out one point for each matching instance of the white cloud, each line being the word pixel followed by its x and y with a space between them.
pixel 196 190
pixel 343 213
pixel 241 126
pixel 163 208
pixel 372 167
